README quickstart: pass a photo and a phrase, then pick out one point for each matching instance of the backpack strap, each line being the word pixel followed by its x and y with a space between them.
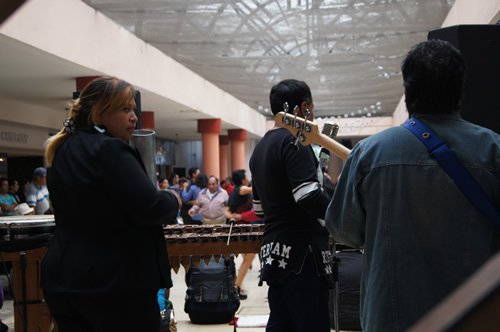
pixel 450 163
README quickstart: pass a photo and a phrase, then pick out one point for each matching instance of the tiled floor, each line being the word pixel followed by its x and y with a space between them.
pixel 256 304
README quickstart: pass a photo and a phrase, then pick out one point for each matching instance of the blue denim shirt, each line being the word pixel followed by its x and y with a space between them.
pixel 422 237
pixel 192 195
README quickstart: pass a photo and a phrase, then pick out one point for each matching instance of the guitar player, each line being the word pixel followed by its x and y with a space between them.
pixel 287 194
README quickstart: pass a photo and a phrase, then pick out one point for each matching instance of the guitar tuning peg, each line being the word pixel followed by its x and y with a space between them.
pixel 285 118
pixel 307 113
pixel 285 107
pixel 296 124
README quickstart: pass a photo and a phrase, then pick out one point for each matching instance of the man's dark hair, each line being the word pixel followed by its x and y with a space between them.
pixel 238 176
pixel 292 91
pixel 433 74
pixel 192 171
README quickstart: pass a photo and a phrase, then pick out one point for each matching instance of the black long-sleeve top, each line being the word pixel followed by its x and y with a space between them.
pixel 287 194
pixel 108 214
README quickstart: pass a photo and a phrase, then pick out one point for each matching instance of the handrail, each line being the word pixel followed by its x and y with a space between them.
pixel 473 306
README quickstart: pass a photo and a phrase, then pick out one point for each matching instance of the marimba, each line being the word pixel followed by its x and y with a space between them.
pixel 186 244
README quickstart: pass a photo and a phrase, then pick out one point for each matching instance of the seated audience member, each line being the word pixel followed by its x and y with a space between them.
pixel 25 186
pixel 37 195
pixel 7 202
pixel 14 190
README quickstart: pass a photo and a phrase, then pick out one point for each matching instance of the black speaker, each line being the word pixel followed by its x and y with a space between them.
pixel 480 45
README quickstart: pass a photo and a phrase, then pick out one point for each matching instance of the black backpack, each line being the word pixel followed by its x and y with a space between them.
pixel 211 296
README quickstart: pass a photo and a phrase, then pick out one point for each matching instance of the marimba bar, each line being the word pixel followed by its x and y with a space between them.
pixel 188 244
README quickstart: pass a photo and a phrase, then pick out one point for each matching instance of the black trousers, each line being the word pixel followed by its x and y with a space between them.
pixel 105 312
pixel 300 303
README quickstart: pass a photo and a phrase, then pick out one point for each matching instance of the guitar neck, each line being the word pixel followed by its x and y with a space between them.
pixel 307 132
pixel 333 146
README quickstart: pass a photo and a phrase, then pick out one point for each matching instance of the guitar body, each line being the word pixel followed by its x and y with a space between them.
pixel 307 132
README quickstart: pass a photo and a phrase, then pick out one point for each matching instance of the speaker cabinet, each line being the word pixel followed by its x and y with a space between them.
pixel 480 45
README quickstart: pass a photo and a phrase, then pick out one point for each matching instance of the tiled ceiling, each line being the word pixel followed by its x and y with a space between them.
pixel 348 51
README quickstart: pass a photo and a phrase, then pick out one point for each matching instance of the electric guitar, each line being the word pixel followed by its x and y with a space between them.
pixel 307 132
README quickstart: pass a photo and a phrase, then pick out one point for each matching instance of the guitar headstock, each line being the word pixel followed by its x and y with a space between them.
pixel 306 132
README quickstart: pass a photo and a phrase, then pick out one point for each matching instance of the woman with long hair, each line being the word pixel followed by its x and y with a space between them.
pixel 108 256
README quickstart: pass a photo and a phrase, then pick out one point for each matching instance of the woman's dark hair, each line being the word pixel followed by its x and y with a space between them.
pixel 172 177
pixel 291 91
pixel 201 181
pixel 226 180
pixel 238 176
pixel 12 182
pixel 434 75
pixel 192 171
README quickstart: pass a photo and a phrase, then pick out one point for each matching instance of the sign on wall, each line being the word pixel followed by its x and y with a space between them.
pixel 13 136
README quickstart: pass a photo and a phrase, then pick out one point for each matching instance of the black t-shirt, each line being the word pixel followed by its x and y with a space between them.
pixel 285 186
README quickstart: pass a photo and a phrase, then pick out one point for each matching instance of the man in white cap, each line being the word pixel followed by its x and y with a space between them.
pixel 37 195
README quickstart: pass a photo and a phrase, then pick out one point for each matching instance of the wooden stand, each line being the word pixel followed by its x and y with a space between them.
pixel 31 312
pixel 37 316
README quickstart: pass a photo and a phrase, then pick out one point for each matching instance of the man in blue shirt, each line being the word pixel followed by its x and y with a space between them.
pixel 37 195
pixel 422 237
pixel 190 193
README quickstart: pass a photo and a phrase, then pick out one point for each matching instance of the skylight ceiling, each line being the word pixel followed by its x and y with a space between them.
pixel 348 51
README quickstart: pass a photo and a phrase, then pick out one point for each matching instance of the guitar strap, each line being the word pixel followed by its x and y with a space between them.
pixel 449 161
